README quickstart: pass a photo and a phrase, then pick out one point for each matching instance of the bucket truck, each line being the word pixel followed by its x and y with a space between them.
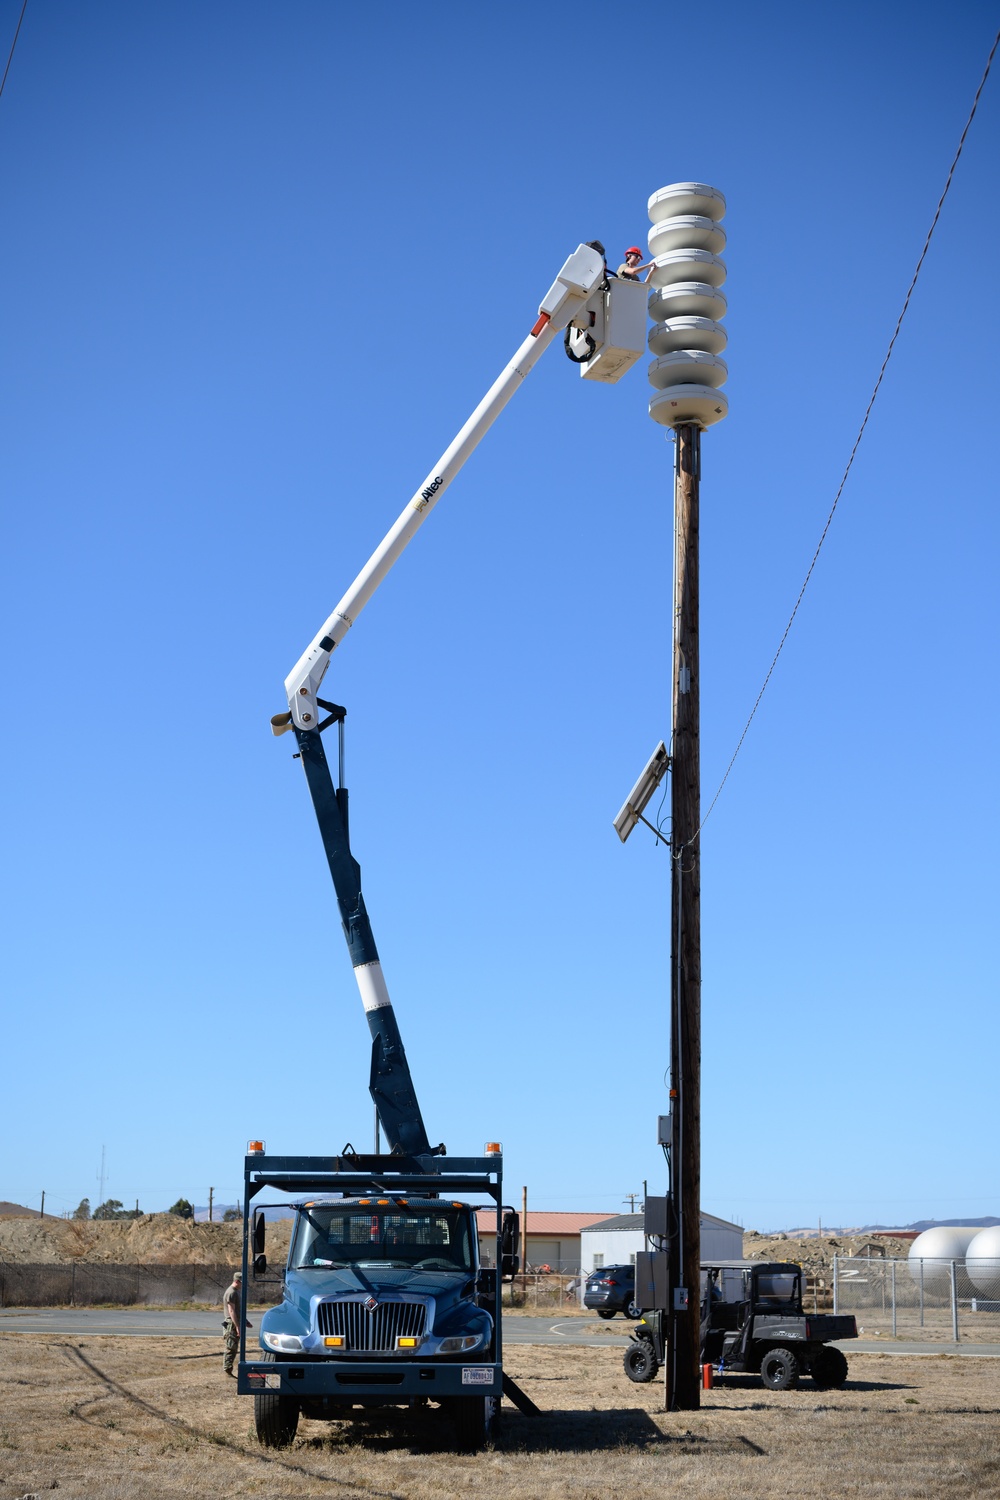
pixel 385 1301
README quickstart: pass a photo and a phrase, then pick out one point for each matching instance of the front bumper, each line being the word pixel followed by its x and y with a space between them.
pixel 351 1381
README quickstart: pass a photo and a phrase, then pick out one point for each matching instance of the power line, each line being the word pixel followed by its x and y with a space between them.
pixel 861 430
pixel 10 57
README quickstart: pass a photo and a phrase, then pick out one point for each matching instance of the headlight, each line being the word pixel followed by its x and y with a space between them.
pixel 455 1346
pixel 283 1343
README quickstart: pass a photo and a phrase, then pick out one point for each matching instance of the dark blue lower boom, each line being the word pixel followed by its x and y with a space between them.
pixel 390 1083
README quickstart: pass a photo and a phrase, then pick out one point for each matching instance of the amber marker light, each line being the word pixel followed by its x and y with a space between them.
pixel 335 1341
pixel 255 1148
pixel 402 1343
pixel 492 1149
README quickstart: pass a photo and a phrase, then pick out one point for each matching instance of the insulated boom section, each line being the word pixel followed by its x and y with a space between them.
pixel 390 1084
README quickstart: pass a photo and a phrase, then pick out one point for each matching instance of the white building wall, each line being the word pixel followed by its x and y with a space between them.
pixel 719 1241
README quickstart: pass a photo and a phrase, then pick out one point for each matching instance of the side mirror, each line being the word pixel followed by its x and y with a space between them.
pixel 259 1229
pixel 510 1243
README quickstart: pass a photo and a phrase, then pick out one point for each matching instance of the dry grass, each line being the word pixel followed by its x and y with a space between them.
pixel 131 1419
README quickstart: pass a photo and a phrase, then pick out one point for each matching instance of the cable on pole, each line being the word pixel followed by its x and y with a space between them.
pixel 10 55
pixel 861 430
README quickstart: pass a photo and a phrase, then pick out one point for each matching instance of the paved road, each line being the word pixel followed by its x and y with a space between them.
pixel 170 1323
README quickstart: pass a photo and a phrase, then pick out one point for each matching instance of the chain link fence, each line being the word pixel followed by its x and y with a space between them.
pixel 92 1284
pixel 924 1300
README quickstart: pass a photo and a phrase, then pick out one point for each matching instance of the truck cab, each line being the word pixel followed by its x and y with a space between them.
pixel 383 1298
pixel 397 1277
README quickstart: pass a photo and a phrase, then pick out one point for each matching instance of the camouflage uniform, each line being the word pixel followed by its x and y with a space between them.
pixel 231 1331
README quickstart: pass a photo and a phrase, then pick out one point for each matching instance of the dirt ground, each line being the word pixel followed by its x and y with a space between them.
pixel 155 1239
pixel 165 1239
pixel 126 1419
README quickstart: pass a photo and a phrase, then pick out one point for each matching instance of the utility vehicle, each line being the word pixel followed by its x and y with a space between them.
pixel 752 1320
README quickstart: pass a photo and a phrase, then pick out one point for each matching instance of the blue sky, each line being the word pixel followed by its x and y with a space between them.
pixel 259 264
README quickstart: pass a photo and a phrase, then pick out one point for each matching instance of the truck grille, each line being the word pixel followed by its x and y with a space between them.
pixel 374 1332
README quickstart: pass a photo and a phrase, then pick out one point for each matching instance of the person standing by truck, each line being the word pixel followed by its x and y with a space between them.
pixel 232 1307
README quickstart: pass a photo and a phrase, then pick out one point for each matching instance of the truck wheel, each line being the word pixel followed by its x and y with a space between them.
pixel 828 1368
pixel 275 1417
pixel 779 1369
pixel 603 1312
pixel 640 1361
pixel 475 1419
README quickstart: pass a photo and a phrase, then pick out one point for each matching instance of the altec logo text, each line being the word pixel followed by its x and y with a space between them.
pixel 432 489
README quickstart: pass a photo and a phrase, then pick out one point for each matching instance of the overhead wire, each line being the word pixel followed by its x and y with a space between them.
pixel 10 55
pixel 857 440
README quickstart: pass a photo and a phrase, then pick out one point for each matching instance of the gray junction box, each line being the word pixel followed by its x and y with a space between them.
pixel 651 1278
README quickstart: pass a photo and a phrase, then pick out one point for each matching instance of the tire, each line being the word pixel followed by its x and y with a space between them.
pixel 640 1361
pixel 828 1368
pixel 633 1312
pixel 779 1369
pixel 604 1312
pixel 275 1417
pixel 476 1421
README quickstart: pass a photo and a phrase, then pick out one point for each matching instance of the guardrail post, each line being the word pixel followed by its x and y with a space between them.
pixel 835 1286
pixel 894 1299
pixel 954 1302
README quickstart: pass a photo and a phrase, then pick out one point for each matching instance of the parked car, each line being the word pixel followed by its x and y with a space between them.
pixel 611 1290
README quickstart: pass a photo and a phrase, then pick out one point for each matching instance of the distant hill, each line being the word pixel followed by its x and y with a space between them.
pixel 985 1223
pixel 17 1211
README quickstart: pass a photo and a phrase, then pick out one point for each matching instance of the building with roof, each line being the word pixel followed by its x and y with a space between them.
pixel 552 1239
pixel 617 1241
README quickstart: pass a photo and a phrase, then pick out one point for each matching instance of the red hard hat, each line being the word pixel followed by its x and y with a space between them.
pixel 634 250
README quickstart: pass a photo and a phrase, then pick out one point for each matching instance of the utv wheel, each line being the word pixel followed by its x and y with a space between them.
pixel 604 1312
pixel 633 1311
pixel 779 1370
pixel 828 1368
pixel 476 1421
pixel 276 1418
pixel 640 1361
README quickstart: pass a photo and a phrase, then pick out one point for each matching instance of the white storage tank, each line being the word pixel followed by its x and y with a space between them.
pixel 982 1262
pixel 937 1248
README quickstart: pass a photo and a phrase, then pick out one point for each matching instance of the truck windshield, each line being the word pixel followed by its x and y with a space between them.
pixel 431 1237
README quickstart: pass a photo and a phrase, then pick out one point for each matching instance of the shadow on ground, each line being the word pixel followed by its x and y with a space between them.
pixel 551 1432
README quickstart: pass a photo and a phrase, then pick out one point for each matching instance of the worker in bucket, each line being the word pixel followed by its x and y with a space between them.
pixel 232 1306
pixel 630 266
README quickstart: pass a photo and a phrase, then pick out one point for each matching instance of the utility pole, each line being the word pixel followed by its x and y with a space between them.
pixel 685 242
pixel 630 1199
pixel 100 1195
pixel 41 1214
pixel 211 1199
pixel 682 1366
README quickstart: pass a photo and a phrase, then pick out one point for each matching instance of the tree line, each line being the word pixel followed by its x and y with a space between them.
pixel 113 1208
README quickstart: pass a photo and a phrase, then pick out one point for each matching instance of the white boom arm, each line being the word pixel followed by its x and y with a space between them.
pixel 579 281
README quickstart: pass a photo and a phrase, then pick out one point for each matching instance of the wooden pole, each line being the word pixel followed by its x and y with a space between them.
pixel 682 1371
pixel 211 1199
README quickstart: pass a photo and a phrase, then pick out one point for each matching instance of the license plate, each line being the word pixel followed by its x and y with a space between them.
pixel 477 1375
